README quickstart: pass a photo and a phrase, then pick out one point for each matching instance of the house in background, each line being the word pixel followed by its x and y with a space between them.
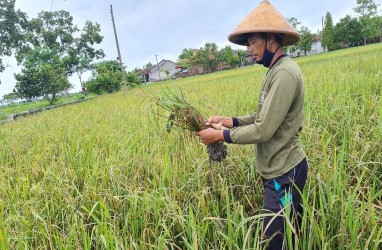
pixel 317 45
pixel 314 49
pixel 167 69
pixel 191 71
pixel 164 70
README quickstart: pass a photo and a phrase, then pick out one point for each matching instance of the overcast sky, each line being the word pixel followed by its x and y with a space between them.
pixel 164 27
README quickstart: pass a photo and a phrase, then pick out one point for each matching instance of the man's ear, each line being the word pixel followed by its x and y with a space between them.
pixel 271 38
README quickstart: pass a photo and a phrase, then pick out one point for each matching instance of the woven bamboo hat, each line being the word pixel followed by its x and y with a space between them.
pixel 265 18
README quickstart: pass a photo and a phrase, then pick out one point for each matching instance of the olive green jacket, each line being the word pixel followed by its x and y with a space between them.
pixel 275 127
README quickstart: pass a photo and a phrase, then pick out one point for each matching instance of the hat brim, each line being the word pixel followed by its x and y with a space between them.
pixel 241 37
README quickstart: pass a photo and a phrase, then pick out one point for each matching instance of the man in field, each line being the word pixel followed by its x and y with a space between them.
pixel 275 126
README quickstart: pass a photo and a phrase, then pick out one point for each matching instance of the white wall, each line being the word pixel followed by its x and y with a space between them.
pixel 158 73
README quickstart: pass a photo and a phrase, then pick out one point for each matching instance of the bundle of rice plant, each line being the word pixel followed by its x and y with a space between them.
pixel 184 115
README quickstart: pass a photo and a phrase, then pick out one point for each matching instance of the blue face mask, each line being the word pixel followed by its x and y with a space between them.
pixel 267 55
pixel 267 58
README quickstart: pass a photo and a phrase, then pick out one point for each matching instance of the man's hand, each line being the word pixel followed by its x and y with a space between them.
pixel 210 135
pixel 220 120
pixel 213 119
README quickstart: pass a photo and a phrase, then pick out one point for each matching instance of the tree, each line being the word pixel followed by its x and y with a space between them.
pixel 228 56
pixel 207 56
pixel 376 24
pixel 56 31
pixel 133 77
pixel 221 57
pixel 81 54
pixel 43 75
pixel 295 24
pixel 106 78
pixel 148 65
pixel 186 54
pixel 379 21
pixel 233 58
pixel 188 58
pixel 53 30
pixel 347 32
pixel 306 40
pixel 11 96
pixel 241 53
pixel 367 10
pixel 12 24
pixel 328 33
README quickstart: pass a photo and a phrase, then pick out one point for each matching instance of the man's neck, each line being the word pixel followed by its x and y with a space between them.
pixel 278 53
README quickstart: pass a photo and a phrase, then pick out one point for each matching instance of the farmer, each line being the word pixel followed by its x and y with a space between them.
pixel 275 126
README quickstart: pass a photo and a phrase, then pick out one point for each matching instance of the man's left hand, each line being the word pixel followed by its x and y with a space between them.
pixel 210 135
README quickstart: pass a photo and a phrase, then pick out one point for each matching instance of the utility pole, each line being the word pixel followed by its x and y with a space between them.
pixel 156 58
pixel 119 52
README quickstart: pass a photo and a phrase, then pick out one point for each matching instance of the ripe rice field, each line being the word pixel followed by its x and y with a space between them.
pixel 105 174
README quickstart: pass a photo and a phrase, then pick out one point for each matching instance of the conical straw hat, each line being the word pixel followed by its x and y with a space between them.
pixel 265 18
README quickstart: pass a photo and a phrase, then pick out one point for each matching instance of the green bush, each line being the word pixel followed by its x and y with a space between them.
pixel 104 80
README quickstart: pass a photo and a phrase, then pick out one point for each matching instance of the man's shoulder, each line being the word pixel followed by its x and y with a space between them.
pixel 289 65
pixel 288 62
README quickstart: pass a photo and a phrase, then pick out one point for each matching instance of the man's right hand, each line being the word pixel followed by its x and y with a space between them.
pixel 221 120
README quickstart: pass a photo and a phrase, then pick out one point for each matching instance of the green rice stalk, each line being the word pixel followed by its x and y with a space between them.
pixel 184 115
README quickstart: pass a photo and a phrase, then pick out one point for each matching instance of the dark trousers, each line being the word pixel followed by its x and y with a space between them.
pixel 279 193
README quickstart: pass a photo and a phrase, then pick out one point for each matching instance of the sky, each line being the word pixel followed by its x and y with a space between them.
pixel 150 30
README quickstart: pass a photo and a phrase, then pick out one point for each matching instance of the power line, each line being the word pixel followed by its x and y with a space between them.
pixel 146 46
pixel 132 31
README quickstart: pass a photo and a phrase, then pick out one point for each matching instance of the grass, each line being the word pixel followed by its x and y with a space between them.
pixel 105 174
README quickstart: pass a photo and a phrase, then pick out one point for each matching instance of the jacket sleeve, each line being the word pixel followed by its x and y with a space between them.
pixel 275 108
pixel 245 120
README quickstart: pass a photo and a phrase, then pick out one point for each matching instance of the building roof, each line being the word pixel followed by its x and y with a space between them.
pixel 160 64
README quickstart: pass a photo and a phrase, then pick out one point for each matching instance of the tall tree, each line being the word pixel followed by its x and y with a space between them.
pixel 207 56
pixel 52 30
pixel 12 24
pixel 328 33
pixel 347 32
pixel 379 21
pixel 366 8
pixel 56 31
pixel 81 54
pixel 367 11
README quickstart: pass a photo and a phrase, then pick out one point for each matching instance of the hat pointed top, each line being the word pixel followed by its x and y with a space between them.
pixel 264 19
